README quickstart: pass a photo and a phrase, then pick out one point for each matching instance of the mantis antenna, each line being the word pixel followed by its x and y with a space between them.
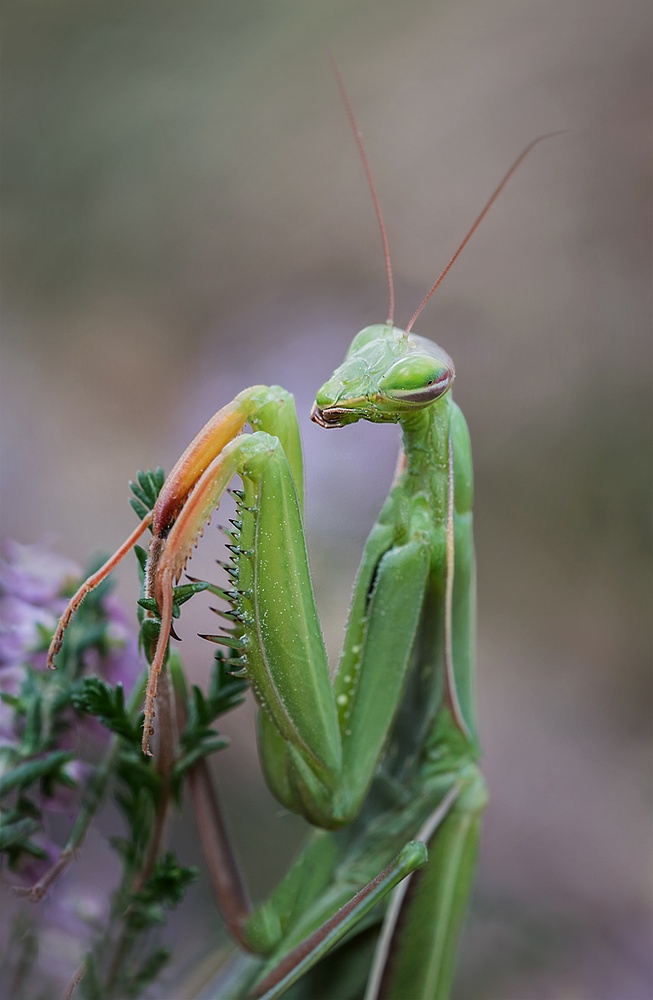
pixel 370 183
pixel 488 205
pixel 377 204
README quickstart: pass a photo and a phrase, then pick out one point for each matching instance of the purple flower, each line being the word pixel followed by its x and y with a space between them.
pixel 32 580
pixel 35 574
pixel 19 629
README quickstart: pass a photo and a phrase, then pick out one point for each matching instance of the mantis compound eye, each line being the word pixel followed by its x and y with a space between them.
pixel 418 379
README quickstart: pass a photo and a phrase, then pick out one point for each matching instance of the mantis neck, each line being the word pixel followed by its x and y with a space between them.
pixel 426 446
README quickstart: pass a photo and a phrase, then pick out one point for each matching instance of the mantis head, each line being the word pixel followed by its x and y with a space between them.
pixel 386 374
pixel 389 373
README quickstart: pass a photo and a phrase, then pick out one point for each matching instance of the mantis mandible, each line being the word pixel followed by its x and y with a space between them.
pixel 381 760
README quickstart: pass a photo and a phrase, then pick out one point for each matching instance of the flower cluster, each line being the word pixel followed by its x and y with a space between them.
pixel 32 583
pixel 70 740
pixel 42 771
pixel 40 732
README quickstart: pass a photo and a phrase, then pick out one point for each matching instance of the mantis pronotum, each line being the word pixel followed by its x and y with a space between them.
pixel 381 760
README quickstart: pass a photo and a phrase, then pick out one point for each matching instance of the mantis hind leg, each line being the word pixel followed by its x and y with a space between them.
pixel 417 946
pixel 415 949
pixel 276 980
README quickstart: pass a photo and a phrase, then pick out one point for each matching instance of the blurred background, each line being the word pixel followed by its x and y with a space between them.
pixel 185 214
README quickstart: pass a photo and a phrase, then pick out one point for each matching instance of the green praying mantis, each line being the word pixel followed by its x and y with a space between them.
pixel 381 760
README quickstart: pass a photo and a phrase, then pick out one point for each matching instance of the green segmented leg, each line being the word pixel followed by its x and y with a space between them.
pixel 417 945
pixel 305 956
